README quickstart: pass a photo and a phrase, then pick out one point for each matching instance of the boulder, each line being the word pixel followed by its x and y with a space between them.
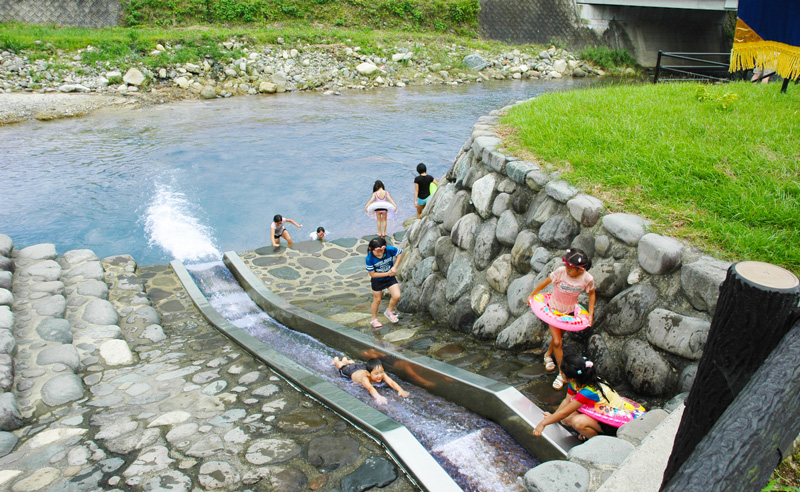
pixel 542 208
pixel 536 179
pixel 428 237
pixel 507 228
pixel 560 190
pixel 208 92
pixel 501 204
pixel 366 68
pixel 626 227
pixel 462 317
pixel 422 270
pixel 6 245
pixel 479 298
pixel 522 251
pixel 459 277
pixel 100 312
pixel 585 209
pixel 47 270
pixel 441 202
pixel 626 313
pixel 518 293
pixel 10 418
pixel 55 330
pixel 680 335
pixel 539 259
pixel 7 264
pixel 701 280
pixel 459 207
pixel 558 232
pixel 521 200
pixel 606 358
pixel 518 171
pixel 557 476
pixel 648 372
pixel 483 194
pixel 463 234
pixel 486 247
pixel 498 276
pixel 65 354
pixel 444 253
pixel 495 161
pixel 133 77
pixel 62 389
pixel 51 306
pixel 491 322
pixel 659 255
pixel 475 62
pixel 526 331
pixel 38 252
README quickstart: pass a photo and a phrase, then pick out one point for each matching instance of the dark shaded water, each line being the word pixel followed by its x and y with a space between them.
pixel 124 182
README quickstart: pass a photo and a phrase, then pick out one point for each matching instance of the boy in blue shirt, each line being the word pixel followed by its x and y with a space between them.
pixel 382 262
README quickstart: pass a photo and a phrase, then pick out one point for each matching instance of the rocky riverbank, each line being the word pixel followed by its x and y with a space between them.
pixel 256 70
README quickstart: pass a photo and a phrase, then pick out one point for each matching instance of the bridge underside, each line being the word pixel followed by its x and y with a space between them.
pixel 643 31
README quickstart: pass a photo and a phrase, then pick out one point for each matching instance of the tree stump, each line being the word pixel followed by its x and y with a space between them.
pixel 754 306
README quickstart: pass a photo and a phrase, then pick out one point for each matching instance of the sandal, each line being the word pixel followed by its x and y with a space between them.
pixel 558 383
pixel 549 365
pixel 375 323
pixel 392 316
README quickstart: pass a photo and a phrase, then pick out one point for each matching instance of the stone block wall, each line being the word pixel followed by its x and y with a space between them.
pixel 499 225
pixel 77 13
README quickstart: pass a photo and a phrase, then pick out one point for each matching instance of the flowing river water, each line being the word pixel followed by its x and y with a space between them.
pixel 112 182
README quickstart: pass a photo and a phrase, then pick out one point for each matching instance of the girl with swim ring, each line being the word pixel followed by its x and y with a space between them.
pixel 382 262
pixel 380 207
pixel 568 282
pixel 591 407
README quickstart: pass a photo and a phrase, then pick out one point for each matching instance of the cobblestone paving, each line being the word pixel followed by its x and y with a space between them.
pixel 180 407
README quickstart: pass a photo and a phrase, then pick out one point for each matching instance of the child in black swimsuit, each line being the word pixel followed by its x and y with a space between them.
pixel 366 375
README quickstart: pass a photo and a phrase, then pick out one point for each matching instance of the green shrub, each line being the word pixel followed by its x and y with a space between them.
pixel 606 58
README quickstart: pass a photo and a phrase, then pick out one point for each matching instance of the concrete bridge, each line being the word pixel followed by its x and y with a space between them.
pixel 643 27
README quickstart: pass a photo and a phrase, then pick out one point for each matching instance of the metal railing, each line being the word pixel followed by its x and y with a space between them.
pixel 711 67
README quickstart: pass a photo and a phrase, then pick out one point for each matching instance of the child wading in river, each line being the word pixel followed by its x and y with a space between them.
pixel 383 207
pixel 568 282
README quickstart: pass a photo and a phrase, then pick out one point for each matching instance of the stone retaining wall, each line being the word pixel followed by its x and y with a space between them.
pixel 77 13
pixel 499 225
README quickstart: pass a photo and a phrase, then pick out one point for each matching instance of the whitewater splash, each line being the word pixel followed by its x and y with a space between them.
pixel 171 224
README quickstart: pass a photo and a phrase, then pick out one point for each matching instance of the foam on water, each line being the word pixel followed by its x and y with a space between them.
pixel 171 224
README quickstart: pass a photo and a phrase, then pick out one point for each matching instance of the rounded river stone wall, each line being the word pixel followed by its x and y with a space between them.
pixel 499 225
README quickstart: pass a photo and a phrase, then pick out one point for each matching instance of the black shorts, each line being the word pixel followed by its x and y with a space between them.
pixel 347 371
pixel 608 430
pixel 382 283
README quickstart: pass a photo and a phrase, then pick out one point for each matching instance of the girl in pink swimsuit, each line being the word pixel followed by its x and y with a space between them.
pixel 377 211
pixel 568 282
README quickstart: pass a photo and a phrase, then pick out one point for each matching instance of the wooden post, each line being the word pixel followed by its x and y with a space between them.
pixel 754 434
pixel 754 304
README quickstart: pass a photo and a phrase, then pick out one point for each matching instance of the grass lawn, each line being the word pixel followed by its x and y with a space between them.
pixel 715 165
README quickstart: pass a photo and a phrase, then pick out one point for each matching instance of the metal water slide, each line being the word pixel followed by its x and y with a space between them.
pixel 496 401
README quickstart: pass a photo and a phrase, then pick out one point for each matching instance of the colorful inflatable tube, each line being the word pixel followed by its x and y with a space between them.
pixel 569 322
pixel 614 416
pixel 390 209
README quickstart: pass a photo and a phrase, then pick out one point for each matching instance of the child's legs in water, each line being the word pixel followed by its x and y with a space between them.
pixel 382 223
pixel 556 346
pixel 394 290
pixel 286 236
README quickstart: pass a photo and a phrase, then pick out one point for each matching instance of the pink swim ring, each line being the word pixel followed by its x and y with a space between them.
pixel 577 321
pixel 614 416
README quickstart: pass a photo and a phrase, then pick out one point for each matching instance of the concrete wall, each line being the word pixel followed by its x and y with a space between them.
pixel 77 13
pixel 640 30
pixel 499 225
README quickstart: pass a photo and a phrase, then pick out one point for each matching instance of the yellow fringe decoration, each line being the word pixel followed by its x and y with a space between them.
pixel 771 55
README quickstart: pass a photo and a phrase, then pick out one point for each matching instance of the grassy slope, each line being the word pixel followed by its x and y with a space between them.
pixel 725 179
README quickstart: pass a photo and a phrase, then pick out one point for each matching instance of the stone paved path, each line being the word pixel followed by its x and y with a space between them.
pixel 329 279
pixel 120 384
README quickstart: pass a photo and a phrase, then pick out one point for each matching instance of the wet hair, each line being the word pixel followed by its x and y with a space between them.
pixel 320 229
pixel 421 168
pixel 277 218
pixel 577 257
pixel 375 243
pixel 582 371
pixel 373 364
pixel 378 186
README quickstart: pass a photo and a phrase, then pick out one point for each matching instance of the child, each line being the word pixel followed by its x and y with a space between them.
pixel 381 196
pixel 589 395
pixel 382 261
pixel 568 282
pixel 278 231
pixel 422 188
pixel 319 235
pixel 366 375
